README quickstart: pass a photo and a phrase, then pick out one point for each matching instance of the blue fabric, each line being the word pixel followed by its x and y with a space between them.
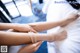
pixel 42 48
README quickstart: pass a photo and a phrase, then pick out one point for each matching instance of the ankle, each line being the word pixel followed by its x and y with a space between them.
pixel 51 37
pixel 32 37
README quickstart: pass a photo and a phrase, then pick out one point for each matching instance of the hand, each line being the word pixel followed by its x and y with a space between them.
pixel 31 48
pixel 24 28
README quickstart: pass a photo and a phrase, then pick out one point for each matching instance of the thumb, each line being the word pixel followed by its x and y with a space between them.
pixel 37 45
pixel 32 30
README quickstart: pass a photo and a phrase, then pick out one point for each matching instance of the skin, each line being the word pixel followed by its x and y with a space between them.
pixel 39 26
pixel 18 37
pixel 31 48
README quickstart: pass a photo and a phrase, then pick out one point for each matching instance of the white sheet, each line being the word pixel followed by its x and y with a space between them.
pixel 57 10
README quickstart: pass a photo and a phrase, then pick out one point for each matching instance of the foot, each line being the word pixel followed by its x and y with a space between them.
pixel 72 17
pixel 61 35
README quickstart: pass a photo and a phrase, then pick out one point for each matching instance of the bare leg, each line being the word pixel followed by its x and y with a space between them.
pixel 60 36
pixel 16 38
pixel 29 48
pixel 48 25
pixel 39 26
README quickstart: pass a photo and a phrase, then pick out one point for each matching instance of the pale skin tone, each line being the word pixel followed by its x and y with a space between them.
pixel 38 26
pixel 16 38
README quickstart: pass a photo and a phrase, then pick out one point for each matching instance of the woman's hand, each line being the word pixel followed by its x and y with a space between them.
pixel 23 28
pixel 31 48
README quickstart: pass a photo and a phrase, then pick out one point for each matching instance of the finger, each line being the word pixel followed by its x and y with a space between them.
pixel 30 48
pixel 33 45
pixel 37 46
pixel 32 30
